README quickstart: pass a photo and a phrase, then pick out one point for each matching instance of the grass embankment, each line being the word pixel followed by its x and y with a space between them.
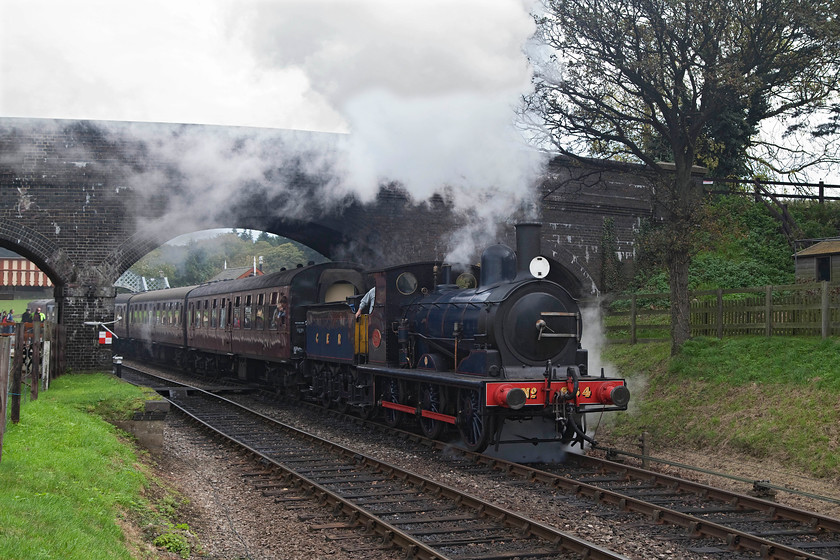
pixel 765 397
pixel 67 477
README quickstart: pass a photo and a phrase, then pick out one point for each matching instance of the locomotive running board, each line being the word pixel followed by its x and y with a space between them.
pixel 414 411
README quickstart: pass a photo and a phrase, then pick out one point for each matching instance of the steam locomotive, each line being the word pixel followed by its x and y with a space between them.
pixel 477 355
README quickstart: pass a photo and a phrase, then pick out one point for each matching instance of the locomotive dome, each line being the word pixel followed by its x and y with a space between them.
pixel 498 264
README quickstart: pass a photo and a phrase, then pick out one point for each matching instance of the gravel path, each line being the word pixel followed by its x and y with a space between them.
pixel 233 520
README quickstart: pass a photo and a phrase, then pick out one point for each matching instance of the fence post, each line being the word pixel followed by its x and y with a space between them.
pixel 768 310
pixel 17 373
pixel 36 359
pixel 5 351
pixel 824 311
pixel 633 319
pixel 719 314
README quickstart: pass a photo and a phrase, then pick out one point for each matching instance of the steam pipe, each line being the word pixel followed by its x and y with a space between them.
pixel 580 432
pixel 571 372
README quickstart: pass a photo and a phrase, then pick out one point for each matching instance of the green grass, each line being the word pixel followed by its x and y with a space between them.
pixel 66 476
pixel 765 397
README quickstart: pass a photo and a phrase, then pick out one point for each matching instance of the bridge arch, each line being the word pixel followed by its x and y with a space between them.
pixel 46 254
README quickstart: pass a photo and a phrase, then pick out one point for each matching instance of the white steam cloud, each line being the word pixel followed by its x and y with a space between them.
pixel 428 90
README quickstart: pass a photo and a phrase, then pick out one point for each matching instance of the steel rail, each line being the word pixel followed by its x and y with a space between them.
pixel 561 541
pixel 733 538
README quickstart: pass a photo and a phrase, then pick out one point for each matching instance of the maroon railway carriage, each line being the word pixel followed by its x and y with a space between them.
pixel 252 327
pixel 153 321
pixel 255 326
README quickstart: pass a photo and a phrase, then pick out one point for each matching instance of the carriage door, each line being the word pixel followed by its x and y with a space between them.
pixel 191 323
pixel 225 320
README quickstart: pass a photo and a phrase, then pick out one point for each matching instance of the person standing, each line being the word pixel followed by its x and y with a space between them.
pixel 366 305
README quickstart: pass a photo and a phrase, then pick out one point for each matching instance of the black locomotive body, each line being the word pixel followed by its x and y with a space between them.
pixel 480 355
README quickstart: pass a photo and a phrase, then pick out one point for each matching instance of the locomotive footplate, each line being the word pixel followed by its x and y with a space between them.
pixel 430 376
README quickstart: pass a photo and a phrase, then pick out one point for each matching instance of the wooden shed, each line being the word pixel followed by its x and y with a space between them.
pixel 819 263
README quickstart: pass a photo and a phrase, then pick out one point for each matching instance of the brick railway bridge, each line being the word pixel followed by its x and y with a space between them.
pixel 85 200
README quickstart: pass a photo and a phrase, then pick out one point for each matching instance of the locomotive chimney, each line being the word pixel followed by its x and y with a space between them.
pixel 527 245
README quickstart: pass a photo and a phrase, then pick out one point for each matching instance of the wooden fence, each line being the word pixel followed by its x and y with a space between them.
pixel 30 354
pixel 790 310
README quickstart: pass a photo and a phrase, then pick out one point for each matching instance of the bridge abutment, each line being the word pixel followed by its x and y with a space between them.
pixel 80 304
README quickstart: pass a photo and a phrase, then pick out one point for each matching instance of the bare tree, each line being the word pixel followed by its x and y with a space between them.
pixel 652 80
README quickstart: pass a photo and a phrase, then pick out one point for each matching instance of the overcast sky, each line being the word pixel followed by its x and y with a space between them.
pixel 426 87
pixel 178 61
pixel 277 63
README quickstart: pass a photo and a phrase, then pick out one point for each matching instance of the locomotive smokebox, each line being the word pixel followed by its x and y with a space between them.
pixel 528 242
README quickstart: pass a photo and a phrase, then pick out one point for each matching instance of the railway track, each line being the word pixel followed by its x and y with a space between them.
pixel 741 521
pixel 424 518
pixel 736 522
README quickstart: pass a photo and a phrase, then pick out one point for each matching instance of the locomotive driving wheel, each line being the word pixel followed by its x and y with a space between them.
pixel 475 426
pixel 431 398
pixel 364 392
pixel 341 388
pixel 393 391
pixel 320 386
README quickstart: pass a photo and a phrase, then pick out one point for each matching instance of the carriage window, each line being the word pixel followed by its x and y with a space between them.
pixel 259 320
pixel 205 319
pixel 214 315
pixel 237 312
pixel 406 283
pixel 223 314
pixel 246 316
pixel 278 314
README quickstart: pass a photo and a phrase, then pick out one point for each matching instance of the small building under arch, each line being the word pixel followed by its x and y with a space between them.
pixel 20 278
